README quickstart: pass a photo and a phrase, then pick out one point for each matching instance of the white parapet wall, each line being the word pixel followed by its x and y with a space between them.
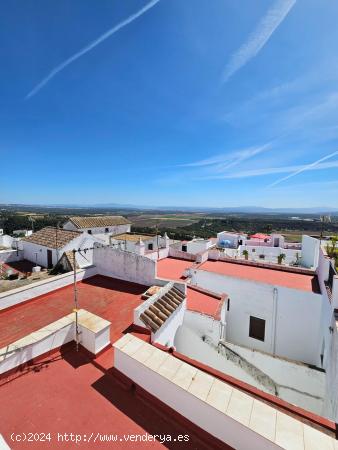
pixel 221 410
pixel 10 255
pixel 310 251
pixel 24 293
pixel 124 265
pixel 94 335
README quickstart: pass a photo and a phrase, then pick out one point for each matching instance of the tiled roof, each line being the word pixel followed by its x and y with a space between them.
pixel 132 237
pixel 160 311
pixel 52 237
pixel 98 221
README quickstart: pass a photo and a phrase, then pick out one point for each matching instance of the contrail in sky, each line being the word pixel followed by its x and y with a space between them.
pixel 90 47
pixel 304 168
pixel 259 37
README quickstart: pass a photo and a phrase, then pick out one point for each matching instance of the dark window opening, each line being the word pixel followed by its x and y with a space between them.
pixel 107 230
pixel 150 246
pixel 332 273
pixel 49 259
pixel 184 248
pixel 228 305
pixel 89 231
pixel 257 328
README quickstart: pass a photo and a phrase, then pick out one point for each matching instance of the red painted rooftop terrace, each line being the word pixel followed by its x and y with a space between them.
pixel 69 392
pixel 173 268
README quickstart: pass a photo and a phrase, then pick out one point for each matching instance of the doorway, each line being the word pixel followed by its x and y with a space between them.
pixel 49 259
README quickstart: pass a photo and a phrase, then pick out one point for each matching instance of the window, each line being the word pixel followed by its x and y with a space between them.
pixel 257 328
pixel 107 230
pixel 184 248
pixel 228 305
pixel 89 231
pixel 150 246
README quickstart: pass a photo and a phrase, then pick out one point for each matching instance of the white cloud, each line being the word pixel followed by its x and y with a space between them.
pixel 90 47
pixel 311 166
pixel 224 161
pixel 260 36
pixel 272 170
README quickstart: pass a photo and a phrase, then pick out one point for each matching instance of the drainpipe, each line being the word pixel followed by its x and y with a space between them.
pixel 275 308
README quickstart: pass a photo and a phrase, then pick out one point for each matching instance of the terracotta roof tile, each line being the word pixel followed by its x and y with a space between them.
pixel 52 237
pixel 160 311
pixel 132 237
pixel 98 221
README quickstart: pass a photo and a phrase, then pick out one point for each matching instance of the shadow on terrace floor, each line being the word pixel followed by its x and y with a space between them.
pixel 147 415
pixel 115 284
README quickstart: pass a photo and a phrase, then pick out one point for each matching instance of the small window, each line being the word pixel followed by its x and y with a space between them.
pixel 89 231
pixel 257 328
pixel 184 248
pixel 228 305
pixel 150 246
pixel 253 250
pixel 107 230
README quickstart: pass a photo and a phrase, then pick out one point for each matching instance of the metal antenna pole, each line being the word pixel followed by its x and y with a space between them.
pixel 56 242
pixel 76 310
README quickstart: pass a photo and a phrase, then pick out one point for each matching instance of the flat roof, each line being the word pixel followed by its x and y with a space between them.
pixel 277 277
pixel 73 394
pixel 172 268
pixel 111 299
pixel 203 302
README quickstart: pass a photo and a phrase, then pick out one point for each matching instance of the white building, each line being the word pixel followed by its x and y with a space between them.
pixel 226 239
pixel 100 226
pixel 46 246
pixel 140 243
pixel 22 233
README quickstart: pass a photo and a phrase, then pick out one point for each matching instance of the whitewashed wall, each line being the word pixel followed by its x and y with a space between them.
pixel 11 256
pixel 125 265
pixel 94 335
pixel 166 334
pixel 330 408
pixel 190 406
pixel 112 230
pixel 131 246
pixel 310 251
pixel 158 254
pixel 22 294
pixel 177 253
pixel 294 327
pixel 270 253
pixel 233 238
pixel 6 240
pixel 198 245
pixel 83 241
pixel 328 305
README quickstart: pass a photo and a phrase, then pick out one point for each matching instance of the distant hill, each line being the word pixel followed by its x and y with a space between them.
pixel 229 209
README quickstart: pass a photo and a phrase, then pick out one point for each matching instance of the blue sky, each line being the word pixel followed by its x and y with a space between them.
pixel 181 102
